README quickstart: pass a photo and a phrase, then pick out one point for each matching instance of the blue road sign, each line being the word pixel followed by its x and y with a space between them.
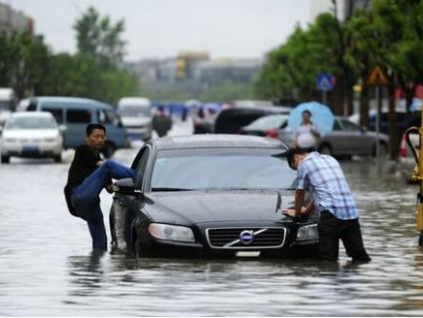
pixel 324 82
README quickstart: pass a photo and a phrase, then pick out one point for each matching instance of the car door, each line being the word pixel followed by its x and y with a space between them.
pixel 116 133
pixel 334 140
pixel 356 141
pixel 76 122
pixel 125 206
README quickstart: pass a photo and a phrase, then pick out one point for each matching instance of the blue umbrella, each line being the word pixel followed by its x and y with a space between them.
pixel 321 117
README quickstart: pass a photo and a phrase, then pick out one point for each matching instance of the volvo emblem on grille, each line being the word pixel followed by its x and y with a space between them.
pixel 246 237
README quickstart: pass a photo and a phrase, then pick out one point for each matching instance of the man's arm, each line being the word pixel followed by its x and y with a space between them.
pixel 299 201
pixel 299 209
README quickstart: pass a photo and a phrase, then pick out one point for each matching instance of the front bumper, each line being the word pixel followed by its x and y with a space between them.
pixel 216 241
pixel 35 150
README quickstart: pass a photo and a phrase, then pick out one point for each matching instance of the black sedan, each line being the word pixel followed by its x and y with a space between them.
pixel 210 196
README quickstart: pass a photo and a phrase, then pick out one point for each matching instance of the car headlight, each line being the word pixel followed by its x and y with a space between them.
pixel 307 233
pixel 171 232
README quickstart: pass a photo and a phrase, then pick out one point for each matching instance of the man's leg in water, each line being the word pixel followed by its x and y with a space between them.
pixel 96 226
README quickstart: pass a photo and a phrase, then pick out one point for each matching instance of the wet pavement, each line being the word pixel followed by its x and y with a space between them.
pixel 48 269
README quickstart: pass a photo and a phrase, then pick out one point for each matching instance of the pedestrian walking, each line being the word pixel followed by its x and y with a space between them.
pixel 322 176
pixel 307 134
pixel 88 175
pixel 161 123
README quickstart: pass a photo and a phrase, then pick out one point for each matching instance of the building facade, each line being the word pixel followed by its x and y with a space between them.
pixel 14 21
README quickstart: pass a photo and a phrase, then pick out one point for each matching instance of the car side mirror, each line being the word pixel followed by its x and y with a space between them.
pixel 63 128
pixel 124 186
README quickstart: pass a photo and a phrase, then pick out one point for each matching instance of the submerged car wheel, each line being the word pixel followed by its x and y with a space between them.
pixel 139 252
pixel 5 159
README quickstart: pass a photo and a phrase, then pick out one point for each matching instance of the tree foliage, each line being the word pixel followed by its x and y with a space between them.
pixel 388 32
pixel 28 65
pixel 99 39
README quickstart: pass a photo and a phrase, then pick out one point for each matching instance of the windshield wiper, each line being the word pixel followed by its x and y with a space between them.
pixel 170 189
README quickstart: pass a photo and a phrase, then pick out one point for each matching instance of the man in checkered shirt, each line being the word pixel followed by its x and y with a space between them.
pixel 322 176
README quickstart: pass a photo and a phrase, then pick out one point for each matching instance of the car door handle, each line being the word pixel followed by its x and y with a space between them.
pixel 121 202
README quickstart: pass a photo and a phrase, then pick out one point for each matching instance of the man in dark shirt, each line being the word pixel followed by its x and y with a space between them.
pixel 88 175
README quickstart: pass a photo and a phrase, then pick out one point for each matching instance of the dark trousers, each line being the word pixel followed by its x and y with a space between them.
pixel 86 201
pixel 331 230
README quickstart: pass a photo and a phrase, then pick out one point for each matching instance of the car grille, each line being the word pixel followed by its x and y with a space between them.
pixel 246 238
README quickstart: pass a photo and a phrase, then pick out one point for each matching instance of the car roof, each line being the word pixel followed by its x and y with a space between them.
pixel 255 108
pixel 32 114
pixel 134 101
pixel 75 101
pixel 216 141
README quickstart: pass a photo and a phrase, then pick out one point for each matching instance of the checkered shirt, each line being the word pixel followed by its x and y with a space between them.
pixel 323 177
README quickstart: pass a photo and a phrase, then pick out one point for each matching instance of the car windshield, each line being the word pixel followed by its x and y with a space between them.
pixel 132 110
pixel 269 122
pixel 229 170
pixel 32 123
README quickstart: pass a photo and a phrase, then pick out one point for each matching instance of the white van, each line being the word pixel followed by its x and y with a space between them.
pixel 135 113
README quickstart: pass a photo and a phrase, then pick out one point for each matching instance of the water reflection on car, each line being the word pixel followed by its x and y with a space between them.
pixel 209 196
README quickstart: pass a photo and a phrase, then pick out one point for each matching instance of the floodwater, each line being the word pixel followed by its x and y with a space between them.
pixel 48 269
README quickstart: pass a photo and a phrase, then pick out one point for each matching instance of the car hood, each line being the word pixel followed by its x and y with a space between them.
pixel 31 133
pixel 187 208
pixel 135 121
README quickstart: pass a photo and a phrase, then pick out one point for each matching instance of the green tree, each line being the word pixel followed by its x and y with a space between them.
pixel 98 38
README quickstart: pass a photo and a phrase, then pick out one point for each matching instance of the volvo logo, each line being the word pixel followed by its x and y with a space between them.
pixel 246 237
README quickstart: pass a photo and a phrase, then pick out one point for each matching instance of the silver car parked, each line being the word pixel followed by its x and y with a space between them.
pixel 346 138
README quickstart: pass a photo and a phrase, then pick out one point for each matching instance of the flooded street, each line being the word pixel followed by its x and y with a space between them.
pixel 48 269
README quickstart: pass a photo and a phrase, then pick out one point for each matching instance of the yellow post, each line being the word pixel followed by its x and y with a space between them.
pixel 419 217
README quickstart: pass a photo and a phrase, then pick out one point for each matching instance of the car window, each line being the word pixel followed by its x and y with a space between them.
pixel 221 171
pixel 56 112
pixel 113 117
pixel 133 110
pixel 337 126
pixel 103 117
pixel 349 126
pixel 141 167
pixel 78 116
pixel 269 122
pixel 32 106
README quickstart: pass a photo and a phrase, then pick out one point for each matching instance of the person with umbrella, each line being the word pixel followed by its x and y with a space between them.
pixel 307 134
pixel 309 121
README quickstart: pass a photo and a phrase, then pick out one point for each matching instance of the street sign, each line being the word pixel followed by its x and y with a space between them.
pixel 377 76
pixel 324 82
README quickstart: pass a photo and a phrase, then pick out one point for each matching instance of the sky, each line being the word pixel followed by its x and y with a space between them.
pixel 163 28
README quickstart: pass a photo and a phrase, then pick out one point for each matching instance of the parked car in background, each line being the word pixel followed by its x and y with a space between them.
pixel 74 114
pixel 220 201
pixel 232 119
pixel 346 139
pixel 136 116
pixel 31 135
pixel 7 101
pixel 205 117
pixel 267 126
pixel 406 161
